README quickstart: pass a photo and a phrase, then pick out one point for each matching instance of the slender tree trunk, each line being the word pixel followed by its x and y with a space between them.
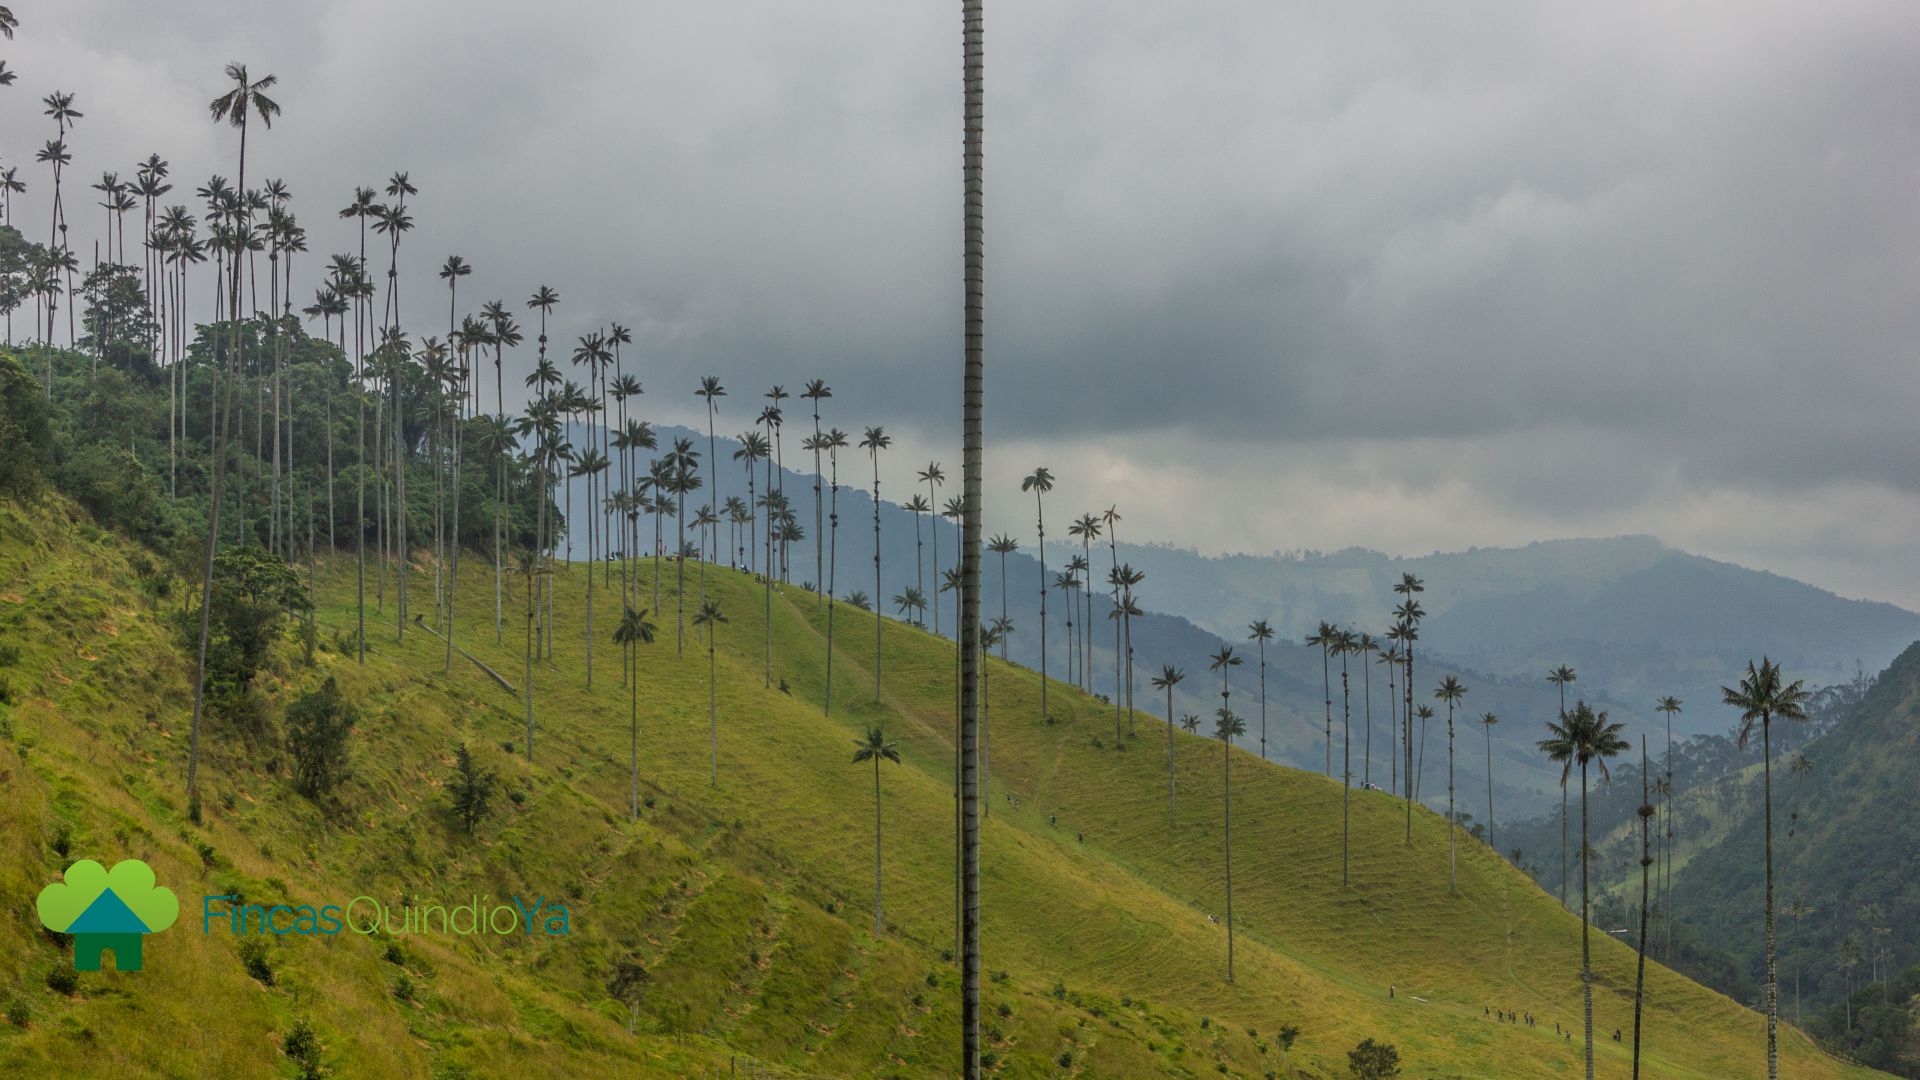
pixel 877 600
pixel 1366 699
pixel 1453 869
pixel 1346 770
pixel 974 228
pixel 1226 772
pixel 1586 922
pixel 1773 985
pixel 633 737
pixel 1490 843
pixel 879 918
pixel 1326 686
pixel 713 713
pixel 1172 820
pixel 1646 861
pixel 1040 516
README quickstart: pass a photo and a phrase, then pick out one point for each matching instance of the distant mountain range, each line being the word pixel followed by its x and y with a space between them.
pixel 1636 618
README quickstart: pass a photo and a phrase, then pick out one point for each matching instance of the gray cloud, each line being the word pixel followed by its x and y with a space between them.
pixel 1413 276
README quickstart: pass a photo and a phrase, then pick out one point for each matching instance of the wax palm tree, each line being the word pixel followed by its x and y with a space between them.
pixel 876 440
pixel 1260 633
pixel 683 463
pixel 1226 726
pixel 1764 696
pixel 876 748
pixel 246 97
pixel 1390 659
pixel 590 464
pixel 1487 720
pixel 1586 738
pixel 1408 614
pixel 1451 690
pixel 1169 678
pixel 1066 582
pixel 1364 645
pixel 972 386
pixel 1423 714
pixel 1088 530
pixel 711 391
pixel 1128 611
pixel 918 505
pixel 1669 705
pixel 836 441
pixel 1560 677
pixel 1343 644
pixel 1646 861
pixel 528 563
pixel 711 617
pixel 753 447
pixel 1040 482
pixel 1003 545
pixel 1324 637
pixel 1111 518
pixel 910 602
pixel 933 477
pixel 816 391
pixel 634 630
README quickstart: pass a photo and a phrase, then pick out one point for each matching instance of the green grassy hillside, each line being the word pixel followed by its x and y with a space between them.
pixel 748 902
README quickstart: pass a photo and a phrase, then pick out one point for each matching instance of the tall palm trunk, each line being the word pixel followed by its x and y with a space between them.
pixel 1773 984
pixel 1646 861
pixel 1453 827
pixel 1346 772
pixel 1040 518
pixel 879 918
pixel 1490 843
pixel 633 736
pixel 833 572
pixel 1586 922
pixel 1326 688
pixel 1226 772
pixel 1171 781
pixel 499 496
pixel 974 227
pixel 219 429
pixel 1406 721
pixel 1366 698
pixel 1113 550
pixel 878 620
pixel 1260 643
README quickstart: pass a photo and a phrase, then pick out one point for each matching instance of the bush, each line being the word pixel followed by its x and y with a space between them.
pixel 317 729
pixel 1288 1033
pixel 24 430
pixel 63 980
pixel 471 789
pixel 1373 1060
pixel 253 957
pixel 18 1012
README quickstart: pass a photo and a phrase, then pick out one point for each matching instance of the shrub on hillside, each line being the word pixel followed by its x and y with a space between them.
pixel 317 728
pixel 471 790
pixel 1373 1060
pixel 24 430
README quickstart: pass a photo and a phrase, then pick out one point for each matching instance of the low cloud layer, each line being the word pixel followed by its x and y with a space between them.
pixel 1267 276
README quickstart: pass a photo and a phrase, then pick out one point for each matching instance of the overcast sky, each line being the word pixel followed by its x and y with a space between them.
pixel 1409 276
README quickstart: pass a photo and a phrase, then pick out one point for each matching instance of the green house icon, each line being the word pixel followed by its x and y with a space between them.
pixel 107 911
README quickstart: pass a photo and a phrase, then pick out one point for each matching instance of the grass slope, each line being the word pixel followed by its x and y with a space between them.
pixel 747 902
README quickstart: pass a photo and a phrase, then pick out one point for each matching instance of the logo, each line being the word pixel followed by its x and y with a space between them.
pixel 107 911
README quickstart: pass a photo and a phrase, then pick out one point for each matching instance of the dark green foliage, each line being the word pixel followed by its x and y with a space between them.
pixel 317 728
pixel 253 593
pixel 254 957
pixel 303 1046
pixel 471 790
pixel 118 320
pixel 63 979
pixel 1373 1060
pixel 24 430
pixel 18 1011
pixel 1286 1035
